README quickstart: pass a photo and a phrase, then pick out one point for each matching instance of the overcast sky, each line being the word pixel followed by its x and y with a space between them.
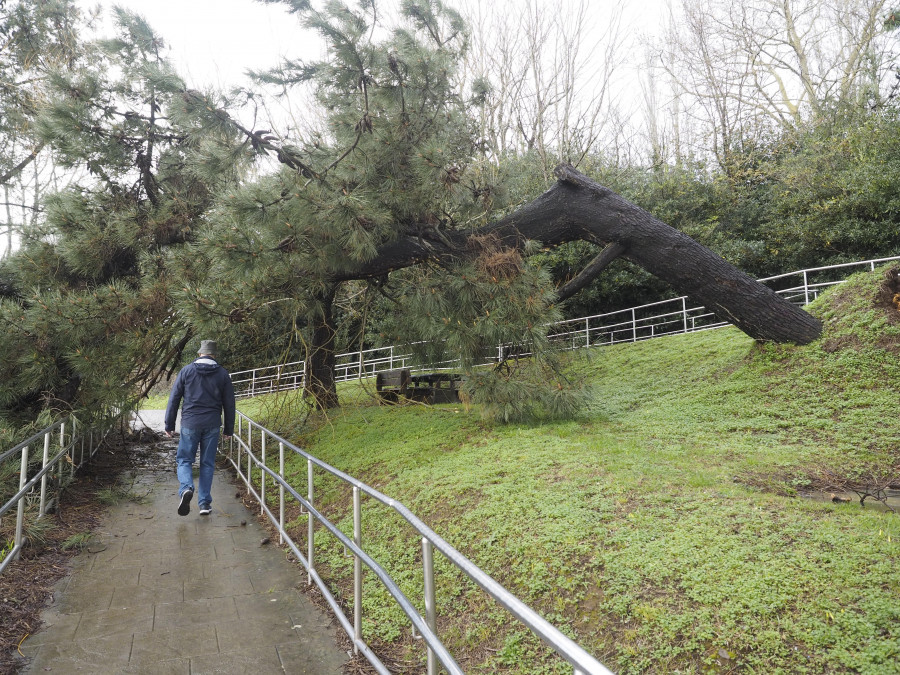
pixel 215 41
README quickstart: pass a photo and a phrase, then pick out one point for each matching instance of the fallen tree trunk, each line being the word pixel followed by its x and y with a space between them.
pixel 577 208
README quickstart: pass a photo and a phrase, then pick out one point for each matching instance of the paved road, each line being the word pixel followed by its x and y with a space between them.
pixel 160 593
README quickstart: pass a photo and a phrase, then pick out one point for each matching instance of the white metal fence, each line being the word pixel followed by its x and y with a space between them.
pixel 657 319
pixel 247 453
pixel 64 447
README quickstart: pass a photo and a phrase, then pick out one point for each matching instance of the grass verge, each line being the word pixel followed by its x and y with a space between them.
pixel 664 530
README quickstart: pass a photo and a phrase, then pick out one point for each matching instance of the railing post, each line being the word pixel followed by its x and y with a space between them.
pixel 240 434
pixel 281 492
pixel 392 357
pixel 20 515
pixel 44 477
pixel 74 430
pixel 633 326
pixel 249 456
pixel 430 619
pixel 684 312
pixel 253 383
pixel 262 475
pixel 805 288
pixel 310 550
pixel 357 573
pixel 587 332
pixel 62 444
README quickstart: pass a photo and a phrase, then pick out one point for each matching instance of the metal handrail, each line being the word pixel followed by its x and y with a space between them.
pixel 241 450
pixel 66 449
pixel 633 328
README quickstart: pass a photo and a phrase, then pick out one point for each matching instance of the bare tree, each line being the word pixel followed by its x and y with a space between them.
pixel 543 77
pixel 762 64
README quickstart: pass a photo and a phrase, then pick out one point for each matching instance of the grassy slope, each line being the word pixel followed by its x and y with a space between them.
pixel 636 528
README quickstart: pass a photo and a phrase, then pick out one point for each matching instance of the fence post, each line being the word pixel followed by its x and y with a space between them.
pixel 633 326
pixel 310 533
pixel 262 476
pixel 587 332
pixel 240 434
pixel 20 515
pixel 74 430
pixel 62 444
pixel 281 492
pixel 805 288
pixel 428 565
pixel 249 456
pixel 684 312
pixel 44 477
pixel 357 573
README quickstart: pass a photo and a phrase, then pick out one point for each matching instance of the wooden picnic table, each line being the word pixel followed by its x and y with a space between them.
pixel 438 387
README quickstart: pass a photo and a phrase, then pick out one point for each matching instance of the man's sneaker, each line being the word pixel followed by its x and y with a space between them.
pixel 205 509
pixel 184 506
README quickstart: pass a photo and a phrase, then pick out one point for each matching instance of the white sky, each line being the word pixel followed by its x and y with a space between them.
pixel 214 41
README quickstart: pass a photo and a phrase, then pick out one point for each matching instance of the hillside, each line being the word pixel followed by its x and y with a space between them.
pixel 665 530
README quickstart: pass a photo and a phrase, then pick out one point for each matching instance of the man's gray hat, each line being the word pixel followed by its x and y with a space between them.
pixel 207 347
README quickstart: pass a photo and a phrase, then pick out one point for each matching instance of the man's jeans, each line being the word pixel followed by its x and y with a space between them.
pixel 207 440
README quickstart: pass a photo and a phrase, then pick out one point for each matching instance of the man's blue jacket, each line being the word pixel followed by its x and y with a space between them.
pixel 206 389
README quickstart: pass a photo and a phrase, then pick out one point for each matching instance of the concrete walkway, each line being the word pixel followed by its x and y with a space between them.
pixel 159 593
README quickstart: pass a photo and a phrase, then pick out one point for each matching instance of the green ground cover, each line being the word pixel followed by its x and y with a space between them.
pixel 664 530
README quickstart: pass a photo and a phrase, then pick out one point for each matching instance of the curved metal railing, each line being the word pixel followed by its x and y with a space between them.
pixel 62 444
pixel 247 455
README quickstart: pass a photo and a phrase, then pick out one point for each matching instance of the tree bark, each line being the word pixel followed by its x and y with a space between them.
pixel 577 208
pixel 590 272
pixel 319 385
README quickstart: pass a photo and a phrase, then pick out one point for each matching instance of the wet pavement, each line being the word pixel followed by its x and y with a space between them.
pixel 155 592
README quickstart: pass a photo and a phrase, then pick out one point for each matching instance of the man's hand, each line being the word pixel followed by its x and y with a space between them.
pixel 170 434
pixel 226 438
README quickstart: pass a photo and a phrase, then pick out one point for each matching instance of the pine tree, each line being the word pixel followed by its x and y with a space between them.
pixel 35 39
pixel 392 192
pixel 397 157
pixel 87 301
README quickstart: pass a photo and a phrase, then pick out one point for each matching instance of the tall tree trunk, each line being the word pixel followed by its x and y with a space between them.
pixel 318 384
pixel 577 208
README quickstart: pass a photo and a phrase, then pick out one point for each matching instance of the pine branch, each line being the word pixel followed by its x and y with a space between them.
pixel 590 272
pixel 21 165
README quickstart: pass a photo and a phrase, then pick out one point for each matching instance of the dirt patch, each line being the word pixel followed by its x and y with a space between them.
pixel 874 483
pixel 831 345
pixel 888 296
pixel 26 586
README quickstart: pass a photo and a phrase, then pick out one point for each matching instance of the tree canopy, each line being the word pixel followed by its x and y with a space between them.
pixel 390 220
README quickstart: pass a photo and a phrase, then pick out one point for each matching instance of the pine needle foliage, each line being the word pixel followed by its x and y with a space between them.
pixel 397 157
pixel 87 301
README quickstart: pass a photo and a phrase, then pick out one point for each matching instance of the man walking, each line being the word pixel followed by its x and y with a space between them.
pixel 207 391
